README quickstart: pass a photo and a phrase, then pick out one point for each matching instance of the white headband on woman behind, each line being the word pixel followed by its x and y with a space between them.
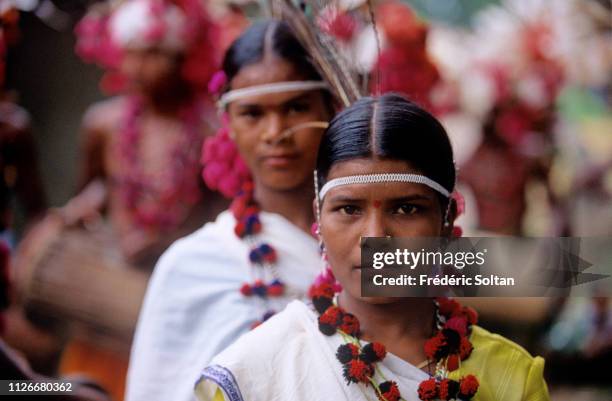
pixel 382 178
pixel 276 87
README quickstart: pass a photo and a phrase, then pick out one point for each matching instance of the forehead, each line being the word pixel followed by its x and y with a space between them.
pixel 379 191
pixel 269 70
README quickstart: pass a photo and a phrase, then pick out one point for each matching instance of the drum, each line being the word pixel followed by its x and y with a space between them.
pixel 78 276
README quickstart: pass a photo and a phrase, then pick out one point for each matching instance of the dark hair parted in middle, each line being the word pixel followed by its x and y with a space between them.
pixel 262 38
pixel 388 127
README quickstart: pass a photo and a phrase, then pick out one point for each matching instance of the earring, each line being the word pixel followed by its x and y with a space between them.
pixel 446 213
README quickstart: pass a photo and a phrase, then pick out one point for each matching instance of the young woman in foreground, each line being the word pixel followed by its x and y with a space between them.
pixel 216 284
pixel 354 348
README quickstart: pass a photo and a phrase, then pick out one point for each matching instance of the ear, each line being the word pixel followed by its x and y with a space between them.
pixel 447 229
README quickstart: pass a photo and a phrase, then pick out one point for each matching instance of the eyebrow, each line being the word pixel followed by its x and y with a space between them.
pixel 348 199
pixel 409 198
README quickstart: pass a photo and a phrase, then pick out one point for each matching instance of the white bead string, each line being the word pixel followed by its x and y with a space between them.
pixel 382 178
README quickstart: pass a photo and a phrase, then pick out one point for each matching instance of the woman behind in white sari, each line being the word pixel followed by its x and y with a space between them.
pixel 234 273
pixel 387 169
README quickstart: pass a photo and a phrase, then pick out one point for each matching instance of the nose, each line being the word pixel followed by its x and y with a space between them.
pixel 375 225
pixel 274 128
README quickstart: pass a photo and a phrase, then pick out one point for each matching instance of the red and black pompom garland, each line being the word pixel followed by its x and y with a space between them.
pixel 262 256
pixel 448 347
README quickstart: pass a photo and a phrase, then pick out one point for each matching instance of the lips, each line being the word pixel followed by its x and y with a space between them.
pixel 279 159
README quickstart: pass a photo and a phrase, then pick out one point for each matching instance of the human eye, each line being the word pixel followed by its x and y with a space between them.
pixel 407 209
pixel 250 113
pixel 348 210
pixel 298 107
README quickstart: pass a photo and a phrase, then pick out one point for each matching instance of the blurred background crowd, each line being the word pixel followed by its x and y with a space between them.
pixel 523 87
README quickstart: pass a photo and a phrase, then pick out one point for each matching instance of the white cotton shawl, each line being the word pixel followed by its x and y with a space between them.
pixel 288 358
pixel 193 308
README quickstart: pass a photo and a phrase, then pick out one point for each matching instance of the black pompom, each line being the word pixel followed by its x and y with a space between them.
pixel 322 303
pixel 327 329
pixel 453 388
pixel 368 354
pixel 453 340
pixel 345 353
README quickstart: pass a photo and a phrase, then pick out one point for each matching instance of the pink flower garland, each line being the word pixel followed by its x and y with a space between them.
pixel 94 44
pixel 224 170
pixel 150 206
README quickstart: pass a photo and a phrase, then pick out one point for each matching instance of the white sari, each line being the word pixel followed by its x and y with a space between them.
pixel 193 308
pixel 288 358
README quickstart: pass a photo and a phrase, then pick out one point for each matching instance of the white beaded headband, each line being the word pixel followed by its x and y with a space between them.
pixel 276 87
pixel 381 178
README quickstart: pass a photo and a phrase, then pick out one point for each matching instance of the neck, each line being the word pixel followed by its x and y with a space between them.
pixel 402 326
pixel 295 205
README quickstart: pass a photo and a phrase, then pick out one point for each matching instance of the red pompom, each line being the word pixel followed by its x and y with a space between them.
pixel 428 389
pixel 389 391
pixel 246 290
pixel 380 350
pixel 276 290
pixel 332 316
pixel 325 290
pixel 238 207
pixel 350 325
pixel 251 210
pixel 447 307
pixel 452 363
pixel 468 387
pixel 239 229
pixel 434 346
pixel 358 371
pixel 465 348
pixel 459 324
pixel 248 187
pixel 457 232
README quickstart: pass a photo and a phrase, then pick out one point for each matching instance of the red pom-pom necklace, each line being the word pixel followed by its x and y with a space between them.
pixel 448 346
pixel 262 256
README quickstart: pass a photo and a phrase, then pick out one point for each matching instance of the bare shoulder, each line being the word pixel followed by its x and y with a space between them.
pixel 103 116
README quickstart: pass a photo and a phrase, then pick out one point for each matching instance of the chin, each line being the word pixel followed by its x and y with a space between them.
pixel 285 181
pixel 355 292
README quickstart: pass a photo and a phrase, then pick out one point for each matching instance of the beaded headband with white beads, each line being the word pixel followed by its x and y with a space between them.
pixel 381 178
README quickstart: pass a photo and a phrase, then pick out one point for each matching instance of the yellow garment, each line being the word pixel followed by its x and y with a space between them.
pixel 218 395
pixel 505 371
